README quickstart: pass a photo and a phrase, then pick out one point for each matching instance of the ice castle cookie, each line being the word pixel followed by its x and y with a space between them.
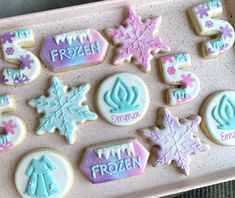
pixel 44 172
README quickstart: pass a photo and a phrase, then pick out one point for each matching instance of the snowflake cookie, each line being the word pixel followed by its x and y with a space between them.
pixel 138 40
pixel 176 140
pixel 63 109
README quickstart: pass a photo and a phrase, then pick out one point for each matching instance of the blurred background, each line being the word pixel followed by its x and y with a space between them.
pixel 19 7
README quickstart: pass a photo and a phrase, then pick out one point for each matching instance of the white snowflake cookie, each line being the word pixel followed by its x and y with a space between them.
pixel 63 109
pixel 44 172
pixel 176 140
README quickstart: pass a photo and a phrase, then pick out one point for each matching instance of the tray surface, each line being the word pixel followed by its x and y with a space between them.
pixel 214 166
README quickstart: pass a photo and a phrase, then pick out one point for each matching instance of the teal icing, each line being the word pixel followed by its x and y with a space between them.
pixel 4 99
pixel 217 44
pixel 213 4
pixel 122 98
pixel 180 57
pixel 224 114
pixel 23 33
pixel 13 73
pixel 41 182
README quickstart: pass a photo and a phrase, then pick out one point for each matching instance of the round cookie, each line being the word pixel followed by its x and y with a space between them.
pixel 123 99
pixel 218 117
pixel 44 172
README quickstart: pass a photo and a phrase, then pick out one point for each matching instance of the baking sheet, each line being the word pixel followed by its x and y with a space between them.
pixel 214 166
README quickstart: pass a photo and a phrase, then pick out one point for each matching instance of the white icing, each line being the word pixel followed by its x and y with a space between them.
pixel 115 150
pixel 70 36
pixel 131 116
pixel 63 174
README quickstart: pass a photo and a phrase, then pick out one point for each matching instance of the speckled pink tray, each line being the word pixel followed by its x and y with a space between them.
pixel 214 166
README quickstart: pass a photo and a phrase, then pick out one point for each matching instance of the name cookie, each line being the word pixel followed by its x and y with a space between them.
pixel 123 99
pixel 176 140
pixel 136 40
pixel 114 160
pixel 62 109
pixel 12 128
pixel 73 50
pixel 30 66
pixel 218 117
pixel 205 23
pixel 44 172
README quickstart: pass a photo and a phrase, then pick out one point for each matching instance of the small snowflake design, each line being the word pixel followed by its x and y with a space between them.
pixel 9 51
pixel 226 32
pixel 9 126
pixel 202 11
pixel 209 24
pixel 21 80
pixel 187 80
pixel 6 145
pixel 210 51
pixel 171 70
pixel 26 61
pixel 176 140
pixel 137 40
pixel 62 109
pixel 167 59
pixel 3 79
pixel 8 37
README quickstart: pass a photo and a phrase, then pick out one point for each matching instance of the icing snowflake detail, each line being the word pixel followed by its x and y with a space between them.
pixel 3 79
pixel 137 40
pixel 210 51
pixel 176 140
pixel 10 51
pixel 9 126
pixel 26 61
pixel 202 11
pixel 171 70
pixel 21 80
pixel 8 37
pixel 168 58
pixel 6 145
pixel 226 32
pixel 187 80
pixel 63 109
pixel 209 24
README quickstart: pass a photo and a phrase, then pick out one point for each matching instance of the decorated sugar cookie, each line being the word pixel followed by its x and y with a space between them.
pixel 62 109
pixel 44 172
pixel 73 50
pixel 12 127
pixel 30 67
pixel 218 117
pixel 177 141
pixel 123 99
pixel 114 160
pixel 137 40
pixel 174 72
pixel 205 23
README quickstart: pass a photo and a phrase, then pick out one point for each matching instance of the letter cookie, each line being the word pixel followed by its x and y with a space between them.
pixel 12 128
pixel 123 99
pixel 137 40
pixel 205 24
pixel 174 74
pixel 30 67
pixel 73 50
pixel 62 109
pixel 44 172
pixel 114 160
pixel 177 141
pixel 218 117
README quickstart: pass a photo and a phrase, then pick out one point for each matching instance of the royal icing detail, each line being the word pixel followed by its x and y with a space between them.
pixel 114 160
pixel 218 113
pixel 138 40
pixel 63 109
pixel 173 72
pixel 203 20
pixel 30 67
pixel 177 141
pixel 44 173
pixel 123 99
pixel 12 127
pixel 73 50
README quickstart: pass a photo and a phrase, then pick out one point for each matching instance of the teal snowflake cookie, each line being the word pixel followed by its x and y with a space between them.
pixel 63 109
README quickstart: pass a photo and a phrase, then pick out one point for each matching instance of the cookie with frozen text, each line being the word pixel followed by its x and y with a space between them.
pixel 73 50
pixel 176 140
pixel 218 117
pixel 44 172
pixel 137 40
pixel 12 127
